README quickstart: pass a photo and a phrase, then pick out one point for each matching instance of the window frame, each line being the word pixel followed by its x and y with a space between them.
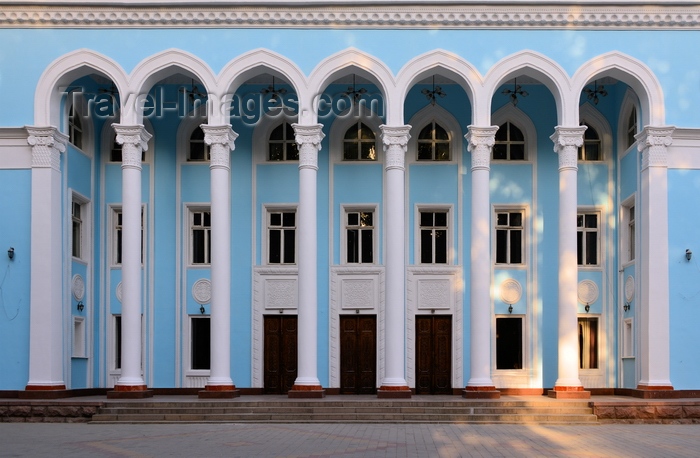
pixel 359 142
pixel 582 149
pixel 285 142
pixel 79 347
pixel 75 125
pixel 433 142
pixel 628 239
pixel 192 342
pixel 510 142
pixel 344 227
pixel 523 344
pixel 116 237
pixel 449 247
pixel 191 211
pixel 268 211
pixel 523 240
pixel 205 148
pixel 583 212
pixel 583 346
pixel 85 227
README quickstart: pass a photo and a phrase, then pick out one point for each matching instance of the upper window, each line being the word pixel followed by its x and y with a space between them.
pixel 200 236
pixel 631 232
pixel 359 235
pixel 632 127
pixel 75 128
pixel 433 143
pixel 509 237
pixel 117 236
pixel 433 237
pixel 198 150
pixel 359 144
pixel 510 143
pixel 587 238
pixel 282 144
pixel 77 229
pixel 591 148
pixel 281 237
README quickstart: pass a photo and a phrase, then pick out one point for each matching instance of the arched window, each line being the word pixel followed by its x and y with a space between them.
pixel 198 151
pixel 510 143
pixel 632 127
pixel 433 143
pixel 359 144
pixel 75 128
pixel 591 149
pixel 282 146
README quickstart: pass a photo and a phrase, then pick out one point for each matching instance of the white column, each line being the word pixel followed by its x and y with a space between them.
pixel 567 140
pixel 46 309
pixel 134 140
pixel 480 142
pixel 307 384
pixel 654 303
pixel 221 142
pixel 395 141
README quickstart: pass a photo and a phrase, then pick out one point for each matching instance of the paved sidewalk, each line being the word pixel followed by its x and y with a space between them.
pixel 347 440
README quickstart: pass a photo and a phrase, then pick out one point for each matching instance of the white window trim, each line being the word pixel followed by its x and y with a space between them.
pixel 87 127
pixel 449 209
pixel 113 210
pixel 350 208
pixel 526 235
pixel 591 116
pixel 588 210
pixel 261 137
pixel 624 237
pixel 523 122
pixel 184 132
pixel 627 340
pixel 79 337
pixel 629 101
pixel 447 121
pixel 190 209
pixel 85 227
pixel 341 126
pixel 524 371
pixel 189 372
pixel 601 363
pixel 265 248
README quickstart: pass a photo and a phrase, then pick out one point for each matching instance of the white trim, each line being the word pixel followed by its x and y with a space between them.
pixel 523 122
pixel 435 208
pixel 447 121
pixel 342 227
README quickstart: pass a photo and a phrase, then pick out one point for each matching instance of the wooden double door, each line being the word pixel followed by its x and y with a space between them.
pixel 279 353
pixel 433 354
pixel 358 354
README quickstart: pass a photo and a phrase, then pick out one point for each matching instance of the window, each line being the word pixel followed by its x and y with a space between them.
pixel 359 144
pixel 433 237
pixel 433 143
pixel 117 236
pixel 359 235
pixel 281 237
pixel 201 343
pixel 75 128
pixel 198 150
pixel 509 237
pixel 587 239
pixel 200 236
pixel 588 343
pixel 632 127
pixel 591 148
pixel 77 230
pixel 117 341
pixel 509 343
pixel 631 234
pixel 510 143
pixel 282 144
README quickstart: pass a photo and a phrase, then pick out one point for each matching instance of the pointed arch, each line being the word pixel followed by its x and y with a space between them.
pixel 631 72
pixel 344 122
pixel 446 120
pixel 540 67
pixel 62 72
pixel 513 114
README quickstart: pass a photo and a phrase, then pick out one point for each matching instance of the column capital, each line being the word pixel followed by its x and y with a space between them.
pixel 480 141
pixel 653 142
pixel 221 140
pixel 134 140
pixel 309 138
pixel 47 145
pixel 567 141
pixel 395 141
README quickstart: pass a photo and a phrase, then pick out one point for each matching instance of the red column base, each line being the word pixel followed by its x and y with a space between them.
pixel 130 392
pixel 44 392
pixel 394 392
pixel 654 388
pixel 569 392
pixel 219 392
pixel 481 392
pixel 306 392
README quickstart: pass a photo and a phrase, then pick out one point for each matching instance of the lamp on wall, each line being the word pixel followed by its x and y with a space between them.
pixel 688 255
pixel 353 92
pixel 434 94
pixel 627 306
pixel 595 92
pixel 510 308
pixel 11 253
pixel 274 93
pixel 80 306
pixel 202 310
pixel 515 92
pixel 587 308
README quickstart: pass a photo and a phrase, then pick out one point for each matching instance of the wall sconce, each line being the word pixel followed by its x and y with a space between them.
pixel 11 253
pixel 510 308
pixel 588 308
pixel 80 306
pixel 688 254
pixel 627 306
pixel 202 310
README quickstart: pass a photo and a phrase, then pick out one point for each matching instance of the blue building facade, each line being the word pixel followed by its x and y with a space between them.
pixel 349 197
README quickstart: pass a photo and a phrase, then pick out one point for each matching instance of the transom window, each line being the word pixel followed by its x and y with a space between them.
pixel 591 148
pixel 510 143
pixel 433 143
pixel 359 227
pixel 282 144
pixel 199 151
pixel 359 144
pixel 75 128
pixel 509 237
pixel 200 227
pixel 433 237
pixel 281 231
pixel 587 239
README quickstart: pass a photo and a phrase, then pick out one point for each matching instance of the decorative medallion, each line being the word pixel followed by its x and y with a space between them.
pixel 119 292
pixel 201 291
pixel 78 287
pixel 629 288
pixel 587 292
pixel 511 291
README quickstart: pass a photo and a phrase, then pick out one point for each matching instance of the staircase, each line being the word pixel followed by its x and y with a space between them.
pixel 349 411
